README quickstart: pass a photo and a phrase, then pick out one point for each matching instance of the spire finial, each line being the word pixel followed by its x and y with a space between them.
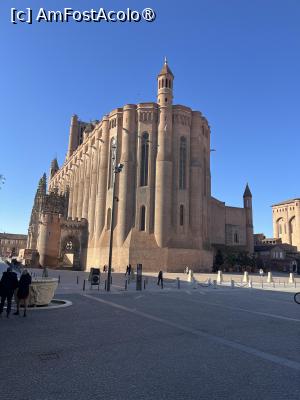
pixel 166 60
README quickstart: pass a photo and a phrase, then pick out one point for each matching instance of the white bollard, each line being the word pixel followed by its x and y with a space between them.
pixel 246 277
pixel 195 284
pixel 270 278
pixel 232 284
pixel 190 276
pixel 291 278
pixel 209 282
pixel 220 277
pixel 215 284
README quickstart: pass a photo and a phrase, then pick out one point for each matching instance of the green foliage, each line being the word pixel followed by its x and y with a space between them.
pixel 2 180
pixel 219 259
pixel 231 259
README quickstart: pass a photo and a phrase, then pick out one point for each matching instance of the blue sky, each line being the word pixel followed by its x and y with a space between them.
pixel 236 61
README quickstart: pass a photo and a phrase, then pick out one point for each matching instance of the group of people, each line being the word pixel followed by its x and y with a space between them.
pixel 10 285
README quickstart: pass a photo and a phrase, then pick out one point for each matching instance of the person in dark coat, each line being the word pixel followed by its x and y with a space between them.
pixel 8 284
pixel 23 292
pixel 160 279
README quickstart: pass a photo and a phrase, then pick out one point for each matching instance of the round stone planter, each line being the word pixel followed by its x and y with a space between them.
pixel 41 291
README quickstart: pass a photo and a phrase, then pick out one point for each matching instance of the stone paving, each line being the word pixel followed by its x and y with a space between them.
pixel 169 343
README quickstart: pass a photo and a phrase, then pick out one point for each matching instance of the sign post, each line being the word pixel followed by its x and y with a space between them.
pixel 139 276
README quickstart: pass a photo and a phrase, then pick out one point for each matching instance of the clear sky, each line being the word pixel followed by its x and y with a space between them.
pixel 236 61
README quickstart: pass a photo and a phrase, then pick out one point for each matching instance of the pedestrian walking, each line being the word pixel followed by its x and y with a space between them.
pixel 129 269
pixel 8 284
pixel 261 272
pixel 160 279
pixel 23 292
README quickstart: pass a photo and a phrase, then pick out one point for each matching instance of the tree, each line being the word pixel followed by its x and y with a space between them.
pixel 231 259
pixel 219 261
pixel 244 260
pixel 2 180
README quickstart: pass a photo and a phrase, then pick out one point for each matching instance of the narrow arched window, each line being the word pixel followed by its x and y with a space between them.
pixel 181 215
pixel 236 238
pixel 292 225
pixel 108 219
pixel 111 163
pixel 182 163
pixel 143 218
pixel 144 159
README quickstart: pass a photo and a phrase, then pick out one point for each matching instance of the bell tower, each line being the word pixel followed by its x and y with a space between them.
pixel 164 162
pixel 165 86
pixel 247 197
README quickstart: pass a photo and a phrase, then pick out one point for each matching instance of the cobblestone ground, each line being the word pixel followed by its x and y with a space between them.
pixel 169 343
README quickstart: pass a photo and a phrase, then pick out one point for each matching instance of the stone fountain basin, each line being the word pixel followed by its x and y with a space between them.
pixel 41 291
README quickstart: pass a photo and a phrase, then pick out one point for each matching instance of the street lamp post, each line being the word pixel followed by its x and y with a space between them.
pixel 116 170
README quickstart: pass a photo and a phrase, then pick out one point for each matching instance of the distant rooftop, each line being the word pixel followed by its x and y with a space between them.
pixel 12 236
pixel 286 202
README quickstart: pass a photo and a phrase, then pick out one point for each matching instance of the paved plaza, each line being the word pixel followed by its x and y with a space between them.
pixel 169 343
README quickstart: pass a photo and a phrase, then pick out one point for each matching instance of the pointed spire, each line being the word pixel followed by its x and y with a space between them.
pixel 54 164
pixel 42 185
pixel 53 168
pixel 166 69
pixel 247 192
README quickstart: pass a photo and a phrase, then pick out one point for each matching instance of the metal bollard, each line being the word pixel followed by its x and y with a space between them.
pixel 178 283
pixel 111 280
pixel 77 280
pixel 144 284
pixel 83 287
pixel 58 278
pixel 105 284
pixel 126 284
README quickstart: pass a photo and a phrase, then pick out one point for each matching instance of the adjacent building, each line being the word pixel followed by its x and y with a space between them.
pixel 286 222
pixel 11 244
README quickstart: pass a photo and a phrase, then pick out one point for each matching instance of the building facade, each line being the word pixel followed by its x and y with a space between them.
pixel 165 217
pixel 286 222
pixel 11 244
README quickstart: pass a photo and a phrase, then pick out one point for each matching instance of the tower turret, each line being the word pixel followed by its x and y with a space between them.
pixel 73 136
pixel 249 218
pixel 53 167
pixel 164 164
pixel 39 200
pixel 165 85
pixel 42 186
